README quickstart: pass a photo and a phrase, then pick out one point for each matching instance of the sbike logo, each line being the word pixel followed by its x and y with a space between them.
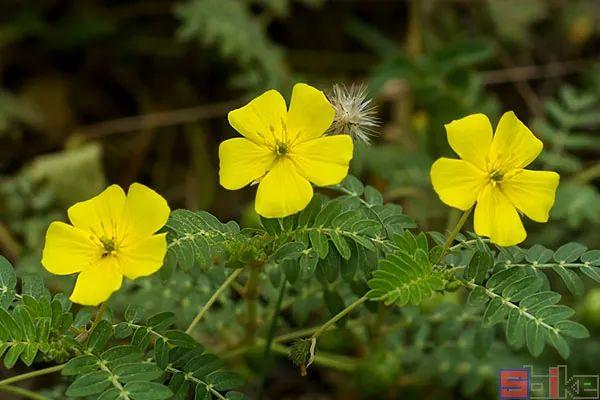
pixel 523 384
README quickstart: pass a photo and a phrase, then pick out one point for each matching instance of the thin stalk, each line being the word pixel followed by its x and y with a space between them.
pixel 22 392
pixel 270 336
pixel 337 317
pixel 326 326
pixel 99 316
pixel 251 298
pixel 31 374
pixel 453 234
pixel 212 299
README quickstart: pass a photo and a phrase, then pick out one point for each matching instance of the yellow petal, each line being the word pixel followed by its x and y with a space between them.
pixel 532 192
pixel 144 213
pixel 310 113
pixel 144 257
pixel 68 249
pixel 95 284
pixel 282 191
pixel 497 218
pixel 242 161
pixel 323 161
pixel 457 182
pixel 100 214
pixel 262 119
pixel 470 137
pixel 514 145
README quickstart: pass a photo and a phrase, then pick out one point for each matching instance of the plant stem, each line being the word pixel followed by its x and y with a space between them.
pixel 32 374
pixel 270 335
pixel 99 316
pixel 22 392
pixel 337 317
pixel 453 234
pixel 212 299
pixel 251 297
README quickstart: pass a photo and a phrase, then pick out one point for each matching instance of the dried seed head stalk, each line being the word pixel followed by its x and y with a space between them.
pixel 354 114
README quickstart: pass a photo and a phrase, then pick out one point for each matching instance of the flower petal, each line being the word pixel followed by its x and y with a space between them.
pixel 261 119
pixel 471 137
pixel 497 218
pixel 282 191
pixel 323 161
pixel 95 284
pixel 514 145
pixel 310 113
pixel 144 213
pixel 144 257
pixel 100 214
pixel 242 161
pixel 457 182
pixel 532 192
pixel 68 249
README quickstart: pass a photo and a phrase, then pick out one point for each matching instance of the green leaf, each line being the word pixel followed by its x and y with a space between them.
pixel 291 269
pixel 536 337
pixel 33 285
pixel 538 300
pixel 100 336
pixel 591 272
pixel 134 313
pixel 8 278
pixel 373 197
pixel 142 390
pixel 331 210
pixel 572 329
pixel 137 372
pixel 515 328
pixel 480 264
pixel 591 257
pixel 161 321
pixel 522 288
pixel 570 278
pixel 569 252
pixel 505 277
pixel 224 380
pixel 89 384
pixel 353 185
pixel 121 354
pixel 319 242
pixel 80 365
pixel 538 254
pixel 477 297
pixel 559 343
pixel 494 312
pixel 340 244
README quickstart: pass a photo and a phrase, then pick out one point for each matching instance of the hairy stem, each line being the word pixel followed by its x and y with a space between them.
pixel 31 374
pixel 453 234
pixel 337 317
pixel 212 299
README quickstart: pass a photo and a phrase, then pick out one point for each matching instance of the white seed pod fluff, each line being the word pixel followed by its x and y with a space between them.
pixel 354 114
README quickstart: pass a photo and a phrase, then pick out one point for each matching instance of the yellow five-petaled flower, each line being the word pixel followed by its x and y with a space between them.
pixel 491 174
pixel 284 150
pixel 112 235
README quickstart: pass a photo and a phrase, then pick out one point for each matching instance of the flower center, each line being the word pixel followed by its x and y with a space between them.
pixel 281 149
pixel 109 246
pixel 496 176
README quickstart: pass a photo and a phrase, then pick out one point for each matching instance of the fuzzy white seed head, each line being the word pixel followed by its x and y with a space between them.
pixel 354 114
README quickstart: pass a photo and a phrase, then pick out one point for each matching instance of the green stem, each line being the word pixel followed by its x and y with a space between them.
pixel 251 298
pixel 339 362
pixel 99 316
pixel 212 299
pixel 22 392
pixel 270 335
pixel 337 317
pixel 453 234
pixel 32 374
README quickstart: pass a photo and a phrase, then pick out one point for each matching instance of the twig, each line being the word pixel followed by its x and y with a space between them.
pixel 32 374
pixel 212 299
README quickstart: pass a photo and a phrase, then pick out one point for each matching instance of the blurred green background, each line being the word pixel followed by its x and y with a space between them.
pixel 99 92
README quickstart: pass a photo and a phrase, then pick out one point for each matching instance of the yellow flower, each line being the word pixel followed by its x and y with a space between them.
pixel 284 150
pixel 112 236
pixel 491 174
